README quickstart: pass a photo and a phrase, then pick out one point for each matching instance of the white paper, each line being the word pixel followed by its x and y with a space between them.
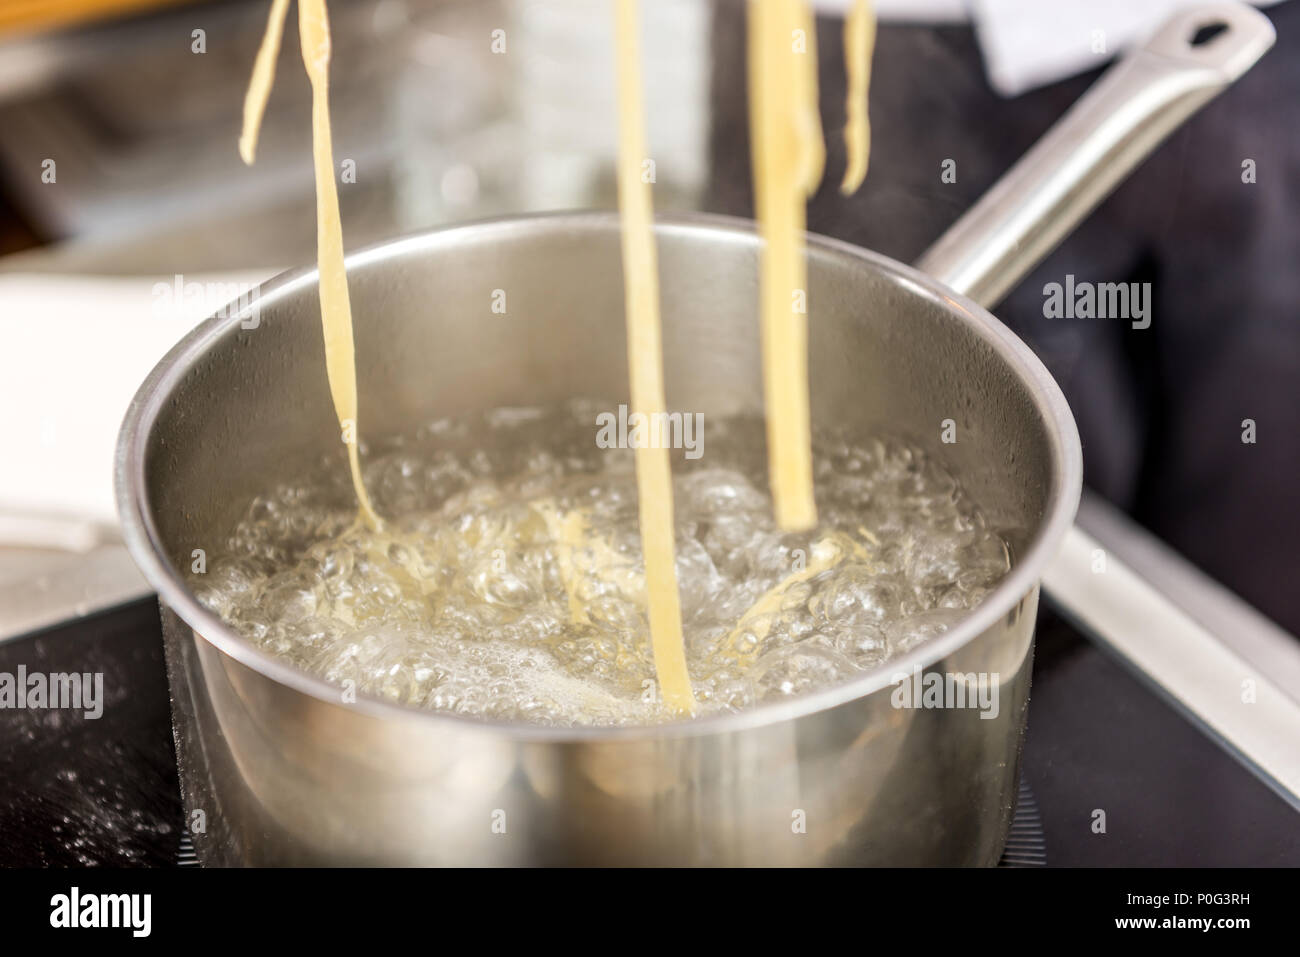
pixel 73 352
pixel 1029 43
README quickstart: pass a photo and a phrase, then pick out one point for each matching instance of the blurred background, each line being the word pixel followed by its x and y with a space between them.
pixel 440 127
pixel 126 217
pixel 118 170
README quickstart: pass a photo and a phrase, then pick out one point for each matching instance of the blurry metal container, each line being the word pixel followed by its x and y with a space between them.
pixel 284 771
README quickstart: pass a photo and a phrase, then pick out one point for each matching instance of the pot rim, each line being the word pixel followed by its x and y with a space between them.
pixel 144 542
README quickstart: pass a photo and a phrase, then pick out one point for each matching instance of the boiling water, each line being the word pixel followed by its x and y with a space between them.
pixel 508 582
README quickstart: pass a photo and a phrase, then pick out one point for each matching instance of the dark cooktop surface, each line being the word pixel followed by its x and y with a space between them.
pixel 104 791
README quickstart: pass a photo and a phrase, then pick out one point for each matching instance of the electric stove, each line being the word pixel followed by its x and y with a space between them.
pixel 1111 774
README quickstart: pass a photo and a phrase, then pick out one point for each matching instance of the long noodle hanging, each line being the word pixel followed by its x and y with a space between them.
pixel 335 303
pixel 788 158
pixel 645 362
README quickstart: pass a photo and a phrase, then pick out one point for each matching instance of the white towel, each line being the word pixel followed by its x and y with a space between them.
pixel 73 351
pixel 1030 43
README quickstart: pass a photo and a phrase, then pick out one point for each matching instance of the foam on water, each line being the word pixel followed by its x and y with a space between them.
pixel 509 584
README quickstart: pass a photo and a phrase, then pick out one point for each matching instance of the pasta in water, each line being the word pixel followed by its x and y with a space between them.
pixel 788 160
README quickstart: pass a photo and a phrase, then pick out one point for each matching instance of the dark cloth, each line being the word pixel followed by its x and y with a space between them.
pixel 1159 409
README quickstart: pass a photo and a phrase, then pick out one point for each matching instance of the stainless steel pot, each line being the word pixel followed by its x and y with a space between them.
pixel 277 768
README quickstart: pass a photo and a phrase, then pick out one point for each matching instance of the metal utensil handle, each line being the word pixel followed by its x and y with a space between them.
pixel 1112 128
pixel 1108 132
pixel 1236 681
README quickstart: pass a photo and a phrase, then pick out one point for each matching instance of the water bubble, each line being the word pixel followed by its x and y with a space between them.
pixel 907 633
pixel 796 669
pixel 508 582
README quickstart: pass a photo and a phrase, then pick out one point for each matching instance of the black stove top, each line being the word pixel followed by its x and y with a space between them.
pixel 105 792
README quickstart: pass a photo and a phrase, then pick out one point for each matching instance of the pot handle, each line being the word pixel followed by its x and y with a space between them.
pixel 1223 665
pixel 1090 150
pixel 1214 658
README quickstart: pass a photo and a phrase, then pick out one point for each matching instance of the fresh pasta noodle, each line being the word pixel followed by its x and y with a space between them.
pixel 808 113
pixel 645 362
pixel 788 155
pixel 780 138
pixel 335 304
pixel 788 161
pixel 263 78
pixel 859 44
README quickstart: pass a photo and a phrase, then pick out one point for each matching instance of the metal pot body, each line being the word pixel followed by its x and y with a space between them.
pixel 278 768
